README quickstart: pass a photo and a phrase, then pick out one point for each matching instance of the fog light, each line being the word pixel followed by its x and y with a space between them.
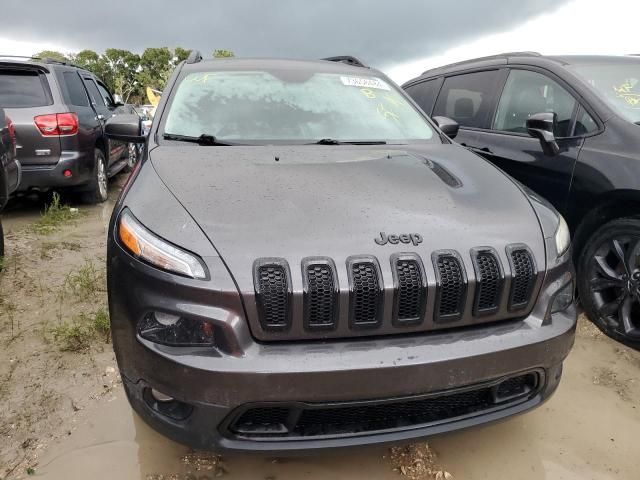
pixel 563 298
pixel 176 331
pixel 67 173
pixel 160 397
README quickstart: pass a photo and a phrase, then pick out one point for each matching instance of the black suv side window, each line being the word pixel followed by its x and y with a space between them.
pixel 424 94
pixel 527 93
pixel 468 98
pixel 585 123
pixel 75 90
pixel 94 93
pixel 106 96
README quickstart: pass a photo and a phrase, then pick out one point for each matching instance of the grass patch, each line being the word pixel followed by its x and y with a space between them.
pixel 77 335
pixel 47 248
pixel 54 216
pixel 86 281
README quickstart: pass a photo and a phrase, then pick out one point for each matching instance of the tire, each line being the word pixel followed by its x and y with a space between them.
pixel 1 246
pixel 609 280
pixel 97 191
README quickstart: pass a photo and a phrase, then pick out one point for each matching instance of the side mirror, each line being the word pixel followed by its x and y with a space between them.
pixel 448 126
pixel 118 100
pixel 125 128
pixel 542 126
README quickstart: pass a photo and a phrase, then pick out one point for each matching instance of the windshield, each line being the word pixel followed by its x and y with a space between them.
pixel 618 84
pixel 293 106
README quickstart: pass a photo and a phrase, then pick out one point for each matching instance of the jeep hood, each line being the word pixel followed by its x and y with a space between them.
pixel 298 201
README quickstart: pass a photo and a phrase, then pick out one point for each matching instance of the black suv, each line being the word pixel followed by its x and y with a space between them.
pixel 58 112
pixel 583 113
pixel 9 166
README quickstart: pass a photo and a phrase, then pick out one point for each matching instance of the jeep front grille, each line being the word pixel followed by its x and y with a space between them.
pixel 273 293
pixel 366 293
pixel 451 287
pixel 523 278
pixel 320 293
pixel 410 289
pixel 367 296
pixel 489 282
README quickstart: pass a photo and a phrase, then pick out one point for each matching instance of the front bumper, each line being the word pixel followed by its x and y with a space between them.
pixel 79 164
pixel 217 383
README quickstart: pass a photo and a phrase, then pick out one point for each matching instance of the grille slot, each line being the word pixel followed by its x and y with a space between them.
pixel 523 277
pixel 310 420
pixel 273 293
pixel 451 286
pixel 320 293
pixel 489 281
pixel 366 302
pixel 410 289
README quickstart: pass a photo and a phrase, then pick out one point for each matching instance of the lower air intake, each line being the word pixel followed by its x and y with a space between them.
pixel 308 420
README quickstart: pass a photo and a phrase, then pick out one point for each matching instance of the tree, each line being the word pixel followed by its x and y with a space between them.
pixel 121 71
pixel 90 60
pixel 223 54
pixel 52 54
pixel 180 54
pixel 156 65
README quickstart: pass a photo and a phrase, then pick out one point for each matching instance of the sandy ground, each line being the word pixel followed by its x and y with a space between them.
pixel 64 414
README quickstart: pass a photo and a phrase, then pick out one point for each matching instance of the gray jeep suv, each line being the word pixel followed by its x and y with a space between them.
pixel 58 111
pixel 303 260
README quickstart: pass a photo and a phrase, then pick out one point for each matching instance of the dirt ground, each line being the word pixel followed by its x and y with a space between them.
pixel 64 415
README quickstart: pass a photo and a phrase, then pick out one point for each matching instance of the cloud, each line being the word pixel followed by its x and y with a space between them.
pixel 579 27
pixel 379 32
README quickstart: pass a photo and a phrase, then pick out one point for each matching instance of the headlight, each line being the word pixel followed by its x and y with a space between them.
pixel 143 244
pixel 563 237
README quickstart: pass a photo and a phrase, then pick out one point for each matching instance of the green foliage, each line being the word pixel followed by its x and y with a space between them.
pixel 54 216
pixel 223 54
pixel 86 281
pixel 76 335
pixel 53 55
pixel 129 74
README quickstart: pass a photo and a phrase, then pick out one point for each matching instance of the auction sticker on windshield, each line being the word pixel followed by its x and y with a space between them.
pixel 365 83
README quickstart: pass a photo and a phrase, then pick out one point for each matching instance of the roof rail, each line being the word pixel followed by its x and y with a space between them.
pixel 489 57
pixel 27 57
pixel 53 61
pixel 194 57
pixel 348 59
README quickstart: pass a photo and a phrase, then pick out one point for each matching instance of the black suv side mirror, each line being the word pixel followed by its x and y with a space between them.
pixel 125 127
pixel 448 126
pixel 542 126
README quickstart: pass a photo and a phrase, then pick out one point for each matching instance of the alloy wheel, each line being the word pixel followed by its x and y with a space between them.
pixel 133 155
pixel 614 280
pixel 102 179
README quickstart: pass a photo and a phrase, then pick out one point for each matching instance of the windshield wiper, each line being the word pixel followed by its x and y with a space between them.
pixel 333 141
pixel 203 139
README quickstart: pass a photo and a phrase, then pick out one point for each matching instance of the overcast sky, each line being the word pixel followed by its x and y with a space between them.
pixel 402 37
